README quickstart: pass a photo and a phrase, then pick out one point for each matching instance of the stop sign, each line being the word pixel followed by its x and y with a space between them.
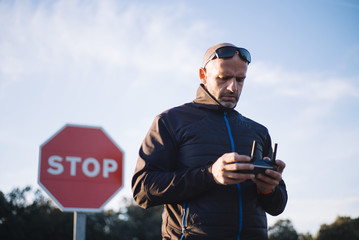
pixel 80 168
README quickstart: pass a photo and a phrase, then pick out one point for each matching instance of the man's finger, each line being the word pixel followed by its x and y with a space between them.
pixel 281 165
pixel 238 166
pixel 242 158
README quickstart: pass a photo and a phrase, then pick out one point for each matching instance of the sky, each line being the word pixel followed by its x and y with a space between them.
pixel 117 64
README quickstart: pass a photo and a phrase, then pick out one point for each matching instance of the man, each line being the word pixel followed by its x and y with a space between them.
pixel 190 158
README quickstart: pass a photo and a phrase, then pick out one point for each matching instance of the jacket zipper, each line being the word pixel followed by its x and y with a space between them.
pixel 184 218
pixel 238 185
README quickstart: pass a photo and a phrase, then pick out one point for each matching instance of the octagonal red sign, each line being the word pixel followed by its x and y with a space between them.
pixel 81 168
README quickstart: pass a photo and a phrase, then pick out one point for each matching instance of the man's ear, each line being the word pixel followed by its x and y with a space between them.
pixel 203 75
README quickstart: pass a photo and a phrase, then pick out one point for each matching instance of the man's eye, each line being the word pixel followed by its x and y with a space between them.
pixel 224 78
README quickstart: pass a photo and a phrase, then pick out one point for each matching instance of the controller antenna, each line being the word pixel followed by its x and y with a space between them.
pixel 274 152
pixel 254 146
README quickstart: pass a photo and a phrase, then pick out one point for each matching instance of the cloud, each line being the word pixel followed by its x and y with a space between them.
pixel 310 98
pixel 308 86
pixel 111 41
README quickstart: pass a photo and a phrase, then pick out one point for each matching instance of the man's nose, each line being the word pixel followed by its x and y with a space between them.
pixel 232 85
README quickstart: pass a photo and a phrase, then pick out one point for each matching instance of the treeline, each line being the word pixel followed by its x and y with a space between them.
pixel 342 228
pixel 40 219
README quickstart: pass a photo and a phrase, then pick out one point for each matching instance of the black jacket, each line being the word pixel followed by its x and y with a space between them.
pixel 173 169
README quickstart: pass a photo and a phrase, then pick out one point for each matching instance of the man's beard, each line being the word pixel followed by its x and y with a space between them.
pixel 229 94
pixel 226 102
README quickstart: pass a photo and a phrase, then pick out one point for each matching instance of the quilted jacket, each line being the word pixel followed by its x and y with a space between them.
pixel 173 169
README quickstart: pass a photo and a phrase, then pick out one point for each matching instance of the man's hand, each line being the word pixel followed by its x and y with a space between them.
pixel 268 183
pixel 223 170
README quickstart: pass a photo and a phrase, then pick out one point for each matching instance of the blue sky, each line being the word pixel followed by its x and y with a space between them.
pixel 117 64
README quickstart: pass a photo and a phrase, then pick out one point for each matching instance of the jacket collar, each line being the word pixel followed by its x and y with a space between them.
pixel 205 99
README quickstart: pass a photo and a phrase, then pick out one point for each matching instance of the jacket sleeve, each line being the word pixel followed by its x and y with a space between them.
pixel 275 202
pixel 157 179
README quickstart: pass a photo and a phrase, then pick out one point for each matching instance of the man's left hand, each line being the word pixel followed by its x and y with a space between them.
pixel 267 183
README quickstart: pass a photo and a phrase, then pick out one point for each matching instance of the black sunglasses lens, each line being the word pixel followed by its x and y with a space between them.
pixel 245 54
pixel 228 52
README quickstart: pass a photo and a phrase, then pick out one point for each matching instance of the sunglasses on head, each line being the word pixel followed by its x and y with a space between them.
pixel 228 52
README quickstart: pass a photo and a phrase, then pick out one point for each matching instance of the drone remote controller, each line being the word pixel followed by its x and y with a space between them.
pixel 261 165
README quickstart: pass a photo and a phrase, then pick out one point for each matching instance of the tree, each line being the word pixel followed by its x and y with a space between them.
pixel 40 219
pixel 342 228
pixel 131 223
pixel 135 223
pixel 282 230
pixel 306 236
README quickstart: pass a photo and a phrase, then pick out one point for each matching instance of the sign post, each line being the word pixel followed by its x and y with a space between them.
pixel 79 226
pixel 81 169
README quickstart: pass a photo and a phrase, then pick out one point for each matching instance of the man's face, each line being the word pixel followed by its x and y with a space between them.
pixel 224 79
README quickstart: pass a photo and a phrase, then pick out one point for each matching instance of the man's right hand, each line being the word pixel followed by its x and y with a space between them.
pixel 223 170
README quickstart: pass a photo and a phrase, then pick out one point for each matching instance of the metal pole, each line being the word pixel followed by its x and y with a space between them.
pixel 79 226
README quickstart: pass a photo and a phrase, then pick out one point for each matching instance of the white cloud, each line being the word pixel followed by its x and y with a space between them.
pixel 306 86
pixel 111 41
pixel 308 98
